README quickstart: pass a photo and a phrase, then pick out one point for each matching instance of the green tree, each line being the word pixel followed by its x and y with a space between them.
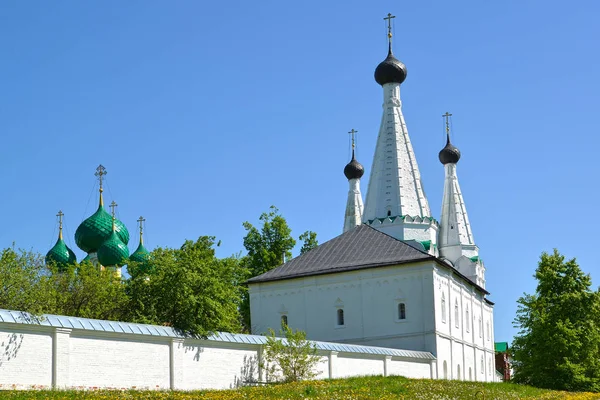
pixel 22 279
pixel 309 241
pixel 189 289
pixel 290 360
pixel 268 247
pixel 82 290
pixel 558 343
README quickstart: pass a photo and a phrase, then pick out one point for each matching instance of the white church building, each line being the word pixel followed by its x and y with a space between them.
pixel 396 277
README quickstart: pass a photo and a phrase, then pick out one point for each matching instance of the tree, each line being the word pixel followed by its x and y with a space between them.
pixel 309 239
pixel 270 246
pixel 558 343
pixel 189 289
pixel 290 360
pixel 82 290
pixel 267 248
pixel 22 277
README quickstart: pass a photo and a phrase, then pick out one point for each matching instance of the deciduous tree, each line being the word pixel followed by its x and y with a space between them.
pixel 290 360
pixel 309 241
pixel 558 343
pixel 189 289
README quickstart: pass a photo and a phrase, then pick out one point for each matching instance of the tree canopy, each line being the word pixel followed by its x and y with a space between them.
pixel 189 289
pixel 269 246
pixel 558 343
pixel 309 241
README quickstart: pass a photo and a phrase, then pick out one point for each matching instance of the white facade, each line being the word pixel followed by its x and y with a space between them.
pixel 106 354
pixel 397 307
pixel 354 205
pixel 456 243
pixel 395 190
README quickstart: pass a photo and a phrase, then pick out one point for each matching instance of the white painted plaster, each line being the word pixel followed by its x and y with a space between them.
pixel 354 206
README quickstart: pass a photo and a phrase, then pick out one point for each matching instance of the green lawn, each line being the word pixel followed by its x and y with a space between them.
pixel 353 388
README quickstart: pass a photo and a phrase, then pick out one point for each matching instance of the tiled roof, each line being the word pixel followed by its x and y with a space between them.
pixel 360 248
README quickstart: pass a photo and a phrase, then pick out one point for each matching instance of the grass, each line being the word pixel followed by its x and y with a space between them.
pixel 375 387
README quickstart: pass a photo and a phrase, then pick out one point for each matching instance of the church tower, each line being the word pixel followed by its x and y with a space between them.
pixel 354 206
pixel 456 243
pixel 396 202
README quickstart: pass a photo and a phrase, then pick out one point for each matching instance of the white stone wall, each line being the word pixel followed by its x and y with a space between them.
pixel 25 358
pixel 35 356
pixel 369 299
pixel 461 342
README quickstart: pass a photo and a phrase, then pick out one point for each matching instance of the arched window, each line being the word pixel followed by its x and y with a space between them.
pixel 470 374
pixel 487 326
pixel 480 327
pixel 458 372
pixel 456 314
pixel 443 308
pixel 284 321
pixel 401 311
pixel 489 366
pixel 340 317
pixel 467 323
pixel 445 370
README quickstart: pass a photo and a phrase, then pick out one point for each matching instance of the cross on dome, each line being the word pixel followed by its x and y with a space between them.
pixel 389 22
pixel 112 206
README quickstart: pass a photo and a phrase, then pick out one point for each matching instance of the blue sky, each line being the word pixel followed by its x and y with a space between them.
pixel 205 114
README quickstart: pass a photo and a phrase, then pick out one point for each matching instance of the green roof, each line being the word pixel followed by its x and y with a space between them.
pixel 96 229
pixel 113 251
pixel 60 255
pixel 501 347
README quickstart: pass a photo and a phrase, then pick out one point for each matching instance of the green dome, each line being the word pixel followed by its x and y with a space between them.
pixel 140 255
pixel 95 230
pixel 60 255
pixel 113 251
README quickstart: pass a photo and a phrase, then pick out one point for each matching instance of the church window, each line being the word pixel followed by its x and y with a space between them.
pixel 340 317
pixel 487 330
pixel 480 327
pixel 401 311
pixel 489 366
pixel 482 363
pixel 389 214
pixel 443 308
pixel 284 321
pixel 456 314
pixel 458 372
pixel 470 374
pixel 467 323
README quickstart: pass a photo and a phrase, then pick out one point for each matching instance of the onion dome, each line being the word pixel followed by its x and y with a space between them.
pixel 113 251
pixel 449 154
pixel 354 169
pixel 60 255
pixel 141 255
pixel 390 70
pixel 95 230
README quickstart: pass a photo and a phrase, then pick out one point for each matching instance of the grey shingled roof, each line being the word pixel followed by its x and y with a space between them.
pixel 359 248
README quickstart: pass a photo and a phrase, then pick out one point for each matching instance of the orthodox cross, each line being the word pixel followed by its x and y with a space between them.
pixel 60 219
pixel 389 22
pixel 447 117
pixel 141 220
pixel 100 172
pixel 113 205
pixel 352 133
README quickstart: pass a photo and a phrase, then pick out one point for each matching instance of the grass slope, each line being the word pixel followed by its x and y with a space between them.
pixel 376 387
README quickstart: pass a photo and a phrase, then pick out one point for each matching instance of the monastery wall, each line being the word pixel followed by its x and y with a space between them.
pixel 94 354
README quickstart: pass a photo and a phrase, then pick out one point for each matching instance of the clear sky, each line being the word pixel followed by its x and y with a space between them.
pixel 206 113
